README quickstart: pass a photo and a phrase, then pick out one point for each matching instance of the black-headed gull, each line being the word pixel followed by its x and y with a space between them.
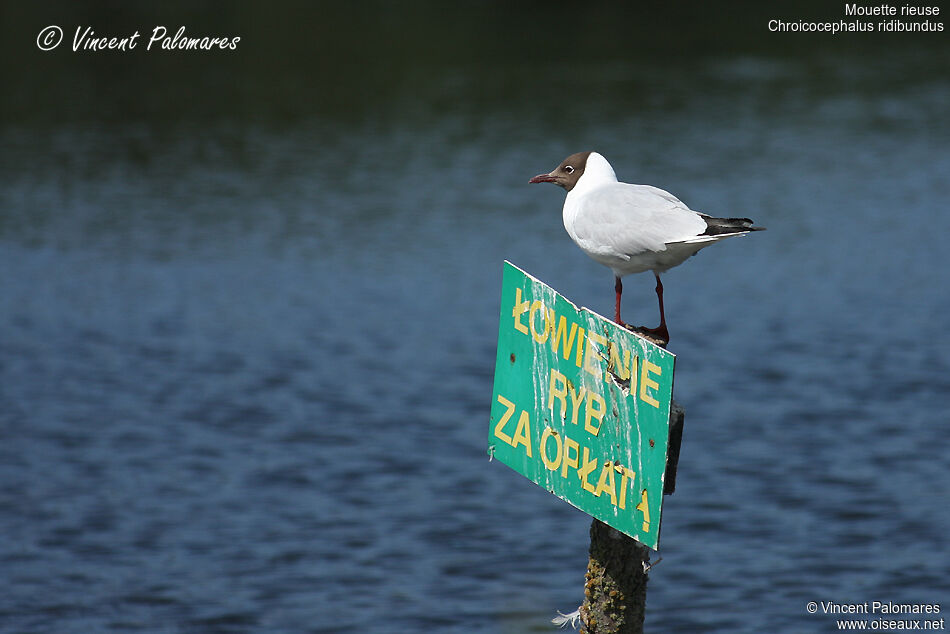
pixel 633 228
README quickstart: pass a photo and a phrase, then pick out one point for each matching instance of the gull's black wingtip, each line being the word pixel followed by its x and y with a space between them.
pixel 720 226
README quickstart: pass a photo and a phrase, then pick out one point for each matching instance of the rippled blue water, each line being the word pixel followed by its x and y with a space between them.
pixel 245 368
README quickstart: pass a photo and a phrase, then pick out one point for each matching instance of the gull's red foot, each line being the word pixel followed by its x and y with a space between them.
pixel 660 333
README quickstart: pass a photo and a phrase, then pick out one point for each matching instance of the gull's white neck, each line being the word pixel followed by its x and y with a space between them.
pixel 597 173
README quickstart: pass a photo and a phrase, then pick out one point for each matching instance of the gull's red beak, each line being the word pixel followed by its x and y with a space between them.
pixel 543 178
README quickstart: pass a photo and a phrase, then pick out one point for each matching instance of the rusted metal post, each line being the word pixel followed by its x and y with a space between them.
pixel 615 588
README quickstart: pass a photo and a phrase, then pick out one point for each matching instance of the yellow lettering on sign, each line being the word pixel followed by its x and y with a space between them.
pixel 522 432
pixel 634 372
pixel 537 306
pixel 613 479
pixel 558 393
pixel 567 460
pixel 549 464
pixel 561 335
pixel 576 399
pixel 504 419
pixel 606 482
pixel 644 506
pixel 592 355
pixel 519 309
pixel 615 365
pixel 647 382
pixel 586 470
pixel 595 412
pixel 627 475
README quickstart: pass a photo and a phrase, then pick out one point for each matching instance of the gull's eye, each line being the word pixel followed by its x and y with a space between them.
pixel 568 169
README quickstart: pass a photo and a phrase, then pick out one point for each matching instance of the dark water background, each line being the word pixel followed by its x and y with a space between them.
pixel 249 301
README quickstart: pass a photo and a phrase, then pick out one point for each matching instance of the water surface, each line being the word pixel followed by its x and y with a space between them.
pixel 248 318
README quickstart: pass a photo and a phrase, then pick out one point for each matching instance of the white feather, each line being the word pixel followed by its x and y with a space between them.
pixel 561 620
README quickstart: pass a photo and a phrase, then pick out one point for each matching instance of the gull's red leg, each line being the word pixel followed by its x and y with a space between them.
pixel 660 331
pixel 618 287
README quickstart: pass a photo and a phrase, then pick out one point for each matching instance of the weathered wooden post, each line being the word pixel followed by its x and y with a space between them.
pixel 583 407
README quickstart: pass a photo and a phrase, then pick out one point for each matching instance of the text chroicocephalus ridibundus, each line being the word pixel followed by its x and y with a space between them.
pixel 633 228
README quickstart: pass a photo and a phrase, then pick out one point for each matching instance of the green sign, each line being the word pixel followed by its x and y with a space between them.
pixel 581 406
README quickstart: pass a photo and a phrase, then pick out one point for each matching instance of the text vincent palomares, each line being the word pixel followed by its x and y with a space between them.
pixel 85 39
pixel 879 607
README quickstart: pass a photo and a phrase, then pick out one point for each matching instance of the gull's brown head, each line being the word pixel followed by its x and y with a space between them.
pixel 567 173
